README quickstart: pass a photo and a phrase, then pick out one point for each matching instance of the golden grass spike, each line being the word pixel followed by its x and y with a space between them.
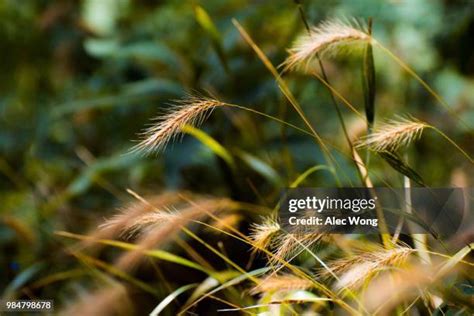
pixel 355 270
pixel 168 224
pixel 279 283
pixel 262 234
pixel 388 290
pixel 393 134
pixel 289 245
pixel 115 225
pixel 330 37
pixel 192 110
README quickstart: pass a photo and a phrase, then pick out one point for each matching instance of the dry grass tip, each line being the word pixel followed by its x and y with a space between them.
pixel 355 270
pixel 281 283
pixel 262 234
pixel 328 38
pixel 191 110
pixel 393 134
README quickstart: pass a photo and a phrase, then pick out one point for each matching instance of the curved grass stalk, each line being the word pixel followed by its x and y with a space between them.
pixel 171 297
pixel 358 162
pixel 325 80
pixel 452 143
pixel 409 70
pixel 434 253
pixel 340 96
pixel 307 173
pixel 271 117
pixel 286 92
pixel 157 253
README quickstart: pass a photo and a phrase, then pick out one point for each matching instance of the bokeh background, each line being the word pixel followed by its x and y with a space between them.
pixel 80 79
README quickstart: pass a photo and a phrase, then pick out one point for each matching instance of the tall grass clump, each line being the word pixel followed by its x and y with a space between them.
pixel 277 272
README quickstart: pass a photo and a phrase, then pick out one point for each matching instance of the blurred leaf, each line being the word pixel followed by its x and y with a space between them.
pixel 206 23
pixel 141 50
pixel 85 180
pixel 60 276
pixel 20 227
pixel 261 167
pixel 101 16
pixel 21 279
pixel 138 91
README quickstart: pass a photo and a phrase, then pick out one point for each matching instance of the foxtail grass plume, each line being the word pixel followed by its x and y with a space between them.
pixel 117 224
pixel 289 245
pixel 355 270
pixel 328 38
pixel 156 228
pixel 281 283
pixel 192 110
pixel 416 280
pixel 393 134
pixel 262 234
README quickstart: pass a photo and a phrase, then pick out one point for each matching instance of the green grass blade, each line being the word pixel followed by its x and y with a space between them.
pixel 157 253
pixel 211 282
pixel 261 167
pixel 399 165
pixel 307 173
pixel 454 260
pixel 210 143
pixel 170 298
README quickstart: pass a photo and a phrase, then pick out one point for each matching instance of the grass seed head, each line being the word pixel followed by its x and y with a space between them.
pixel 157 228
pixel 289 245
pixel 281 283
pixel 355 270
pixel 328 38
pixel 262 234
pixel 191 110
pixel 393 134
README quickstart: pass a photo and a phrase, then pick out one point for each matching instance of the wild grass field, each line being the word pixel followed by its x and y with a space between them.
pixel 145 147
